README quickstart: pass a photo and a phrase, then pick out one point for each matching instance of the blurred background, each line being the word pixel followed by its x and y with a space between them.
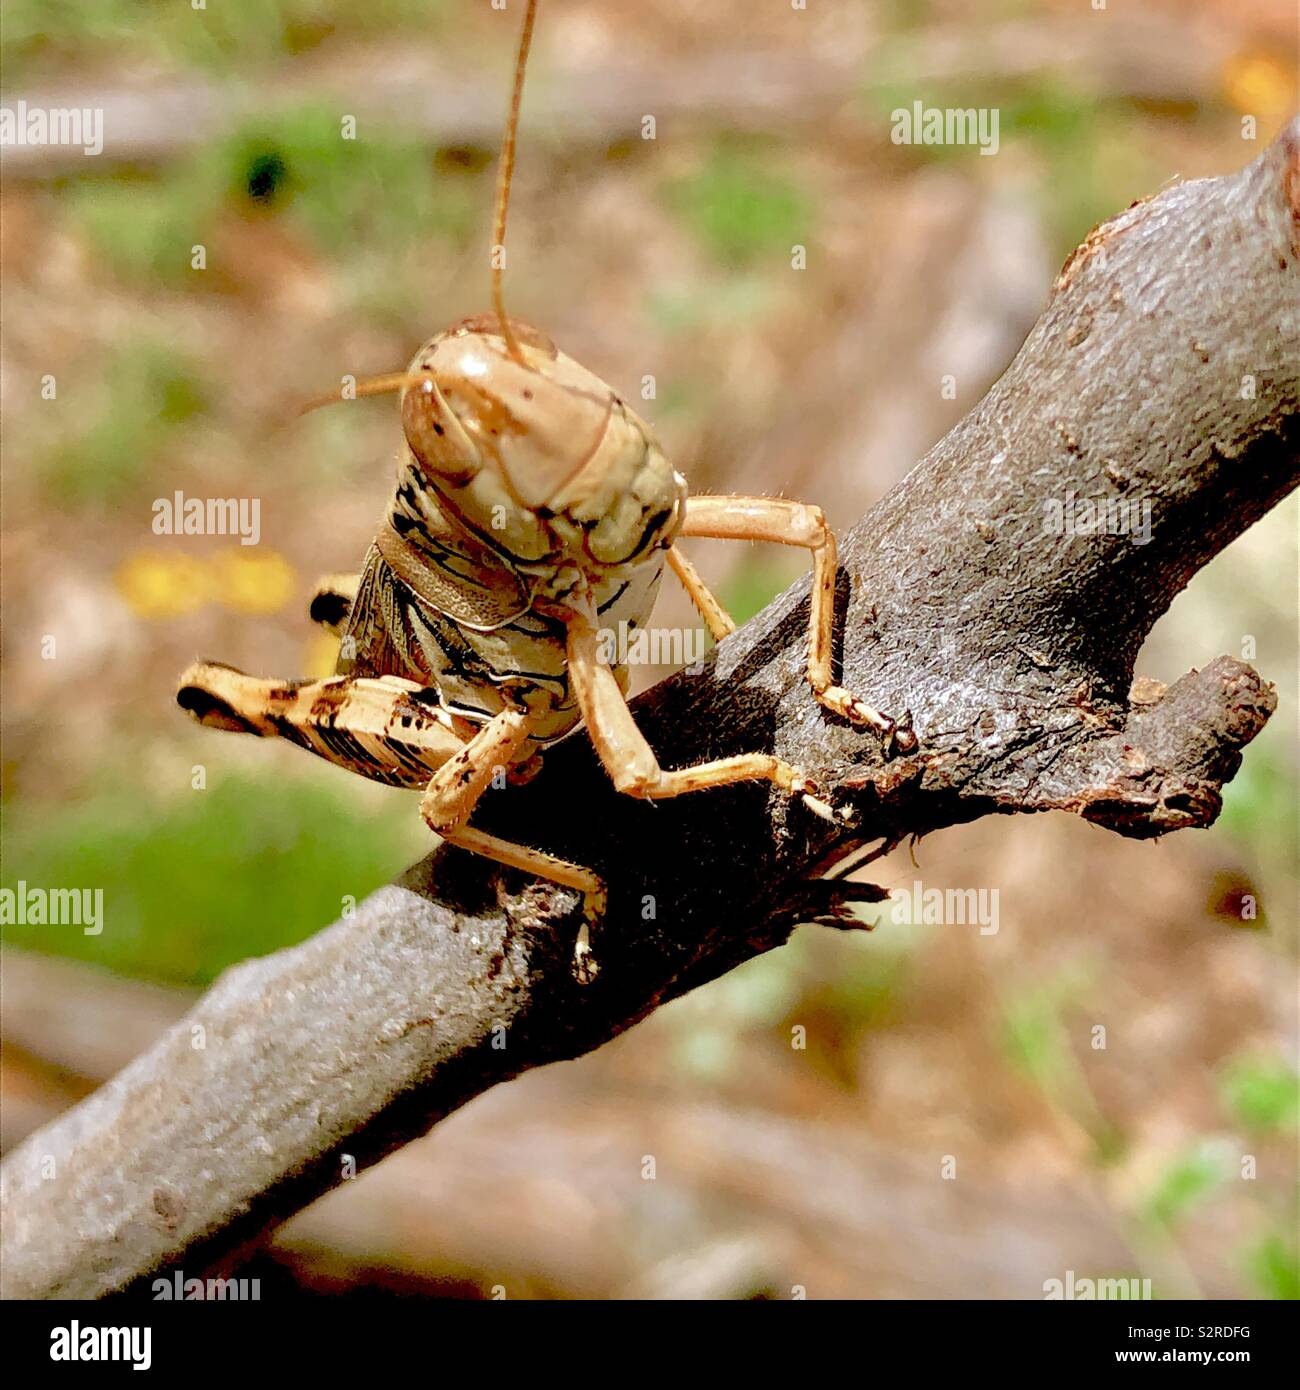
pixel 950 1128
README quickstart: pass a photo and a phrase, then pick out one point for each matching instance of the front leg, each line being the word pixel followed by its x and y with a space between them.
pixel 796 523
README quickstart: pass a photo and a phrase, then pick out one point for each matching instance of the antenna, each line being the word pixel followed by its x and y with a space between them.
pixel 505 172
pixel 399 381
pixel 367 386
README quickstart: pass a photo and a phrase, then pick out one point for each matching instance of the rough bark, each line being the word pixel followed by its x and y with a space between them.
pixel 1165 369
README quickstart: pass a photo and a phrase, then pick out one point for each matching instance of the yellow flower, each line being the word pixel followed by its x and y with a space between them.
pixel 163 586
pixel 253 582
pixel 1260 84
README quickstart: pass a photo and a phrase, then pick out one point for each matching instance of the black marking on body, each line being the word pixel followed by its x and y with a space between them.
pixel 614 598
pixel 329 702
pixel 656 523
pixel 213 711
pixel 471 712
pixel 446 635
pixel 535 624
pixel 412 530
pixel 377 632
pixel 343 746
pixel 411 712
pixel 467 663
pixel 426 695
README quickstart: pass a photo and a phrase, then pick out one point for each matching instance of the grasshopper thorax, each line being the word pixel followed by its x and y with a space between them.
pixel 535 453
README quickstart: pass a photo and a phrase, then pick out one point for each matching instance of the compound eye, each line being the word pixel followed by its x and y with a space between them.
pixel 435 436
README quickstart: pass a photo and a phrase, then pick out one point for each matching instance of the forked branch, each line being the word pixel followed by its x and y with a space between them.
pixel 1164 375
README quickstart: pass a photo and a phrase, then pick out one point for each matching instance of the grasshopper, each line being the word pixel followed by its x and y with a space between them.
pixel 532 504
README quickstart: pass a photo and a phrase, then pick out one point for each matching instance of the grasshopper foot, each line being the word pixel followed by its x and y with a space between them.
pixel 585 965
pixel 896 734
pixel 901 737
pixel 807 792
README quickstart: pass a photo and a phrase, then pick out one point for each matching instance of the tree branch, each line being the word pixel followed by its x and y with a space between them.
pixel 1163 372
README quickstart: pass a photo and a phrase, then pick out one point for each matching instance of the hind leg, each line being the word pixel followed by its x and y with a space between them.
pixel 383 728
pixel 395 731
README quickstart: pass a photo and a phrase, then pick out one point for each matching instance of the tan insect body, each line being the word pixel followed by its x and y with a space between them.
pixel 532 507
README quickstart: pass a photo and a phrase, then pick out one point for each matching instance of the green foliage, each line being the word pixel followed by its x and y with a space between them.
pixel 679 398
pixel 194 884
pixel 1058 117
pixel 1273 1265
pixel 363 199
pixel 710 1024
pixel 741 208
pixel 1260 803
pixel 737 302
pixel 1262 1093
pixel 142 394
pixel 1090 164
pixel 226 36
pixel 872 973
pixel 1036 1040
pixel 860 990
pixel 756 581
pixel 141 230
pixel 1184 1184
pixel 372 192
pixel 905 14
pixel 1033 1035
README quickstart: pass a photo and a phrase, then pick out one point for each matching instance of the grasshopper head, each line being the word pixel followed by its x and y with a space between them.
pixel 526 447
pixel 535 452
